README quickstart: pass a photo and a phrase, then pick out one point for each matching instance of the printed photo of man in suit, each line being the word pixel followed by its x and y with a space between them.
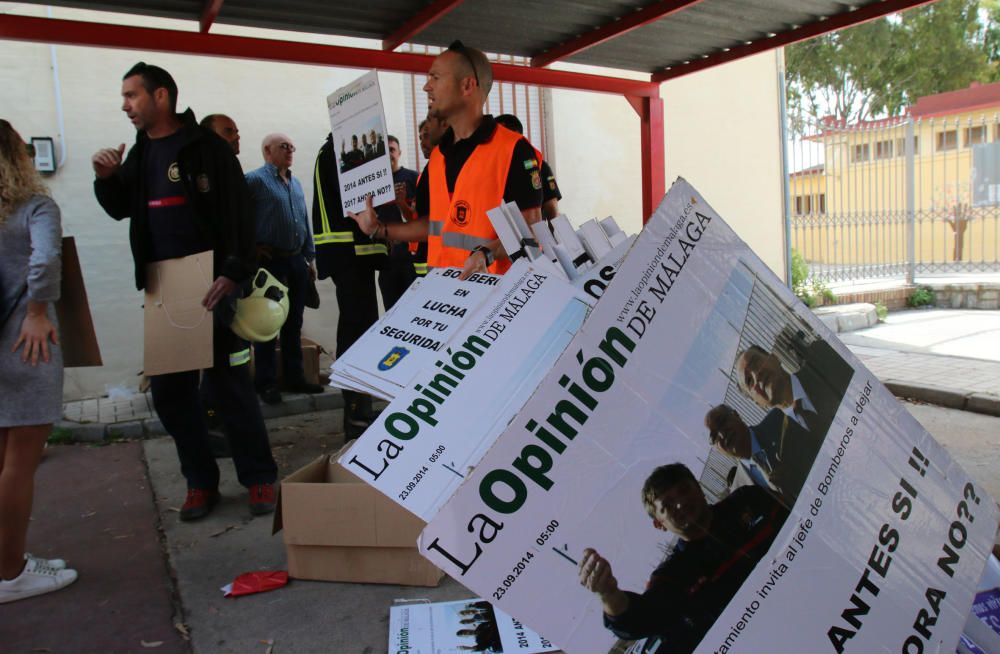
pixel 810 396
pixel 777 453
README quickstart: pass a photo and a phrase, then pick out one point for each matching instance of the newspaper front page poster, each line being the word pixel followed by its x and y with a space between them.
pixel 357 123
pixel 706 468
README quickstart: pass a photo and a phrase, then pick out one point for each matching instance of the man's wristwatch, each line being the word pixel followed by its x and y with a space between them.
pixel 487 254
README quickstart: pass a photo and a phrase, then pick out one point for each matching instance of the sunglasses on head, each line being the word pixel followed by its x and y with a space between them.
pixel 459 47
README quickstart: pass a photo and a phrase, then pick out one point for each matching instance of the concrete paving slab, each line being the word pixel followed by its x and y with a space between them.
pixel 94 507
pixel 303 617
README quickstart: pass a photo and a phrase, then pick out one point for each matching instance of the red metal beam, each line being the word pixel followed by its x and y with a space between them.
pixel 69 32
pixel 423 19
pixel 833 23
pixel 623 25
pixel 650 110
pixel 208 14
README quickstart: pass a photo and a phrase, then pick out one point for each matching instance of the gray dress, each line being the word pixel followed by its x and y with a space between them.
pixel 30 267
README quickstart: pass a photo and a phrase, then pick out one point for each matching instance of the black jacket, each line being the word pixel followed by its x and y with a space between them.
pixel 340 243
pixel 215 187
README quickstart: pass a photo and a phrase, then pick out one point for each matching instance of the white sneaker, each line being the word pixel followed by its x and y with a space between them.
pixel 36 579
pixel 58 564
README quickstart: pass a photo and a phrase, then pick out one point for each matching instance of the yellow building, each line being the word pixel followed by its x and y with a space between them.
pixel 855 209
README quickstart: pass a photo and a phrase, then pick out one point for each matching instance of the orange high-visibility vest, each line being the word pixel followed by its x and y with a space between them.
pixel 457 221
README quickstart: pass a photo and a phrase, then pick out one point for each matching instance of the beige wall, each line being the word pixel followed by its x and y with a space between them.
pixel 723 134
pixel 733 160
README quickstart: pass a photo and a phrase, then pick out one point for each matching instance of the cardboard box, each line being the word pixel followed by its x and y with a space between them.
pixel 337 528
pixel 310 361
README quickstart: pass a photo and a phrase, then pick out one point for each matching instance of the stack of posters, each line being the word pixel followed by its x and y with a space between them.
pixel 472 625
pixel 412 334
pixel 706 468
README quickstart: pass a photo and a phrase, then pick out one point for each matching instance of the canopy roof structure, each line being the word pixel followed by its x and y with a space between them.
pixel 659 40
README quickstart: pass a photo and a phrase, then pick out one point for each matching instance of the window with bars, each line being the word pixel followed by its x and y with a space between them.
pixel 526 102
pixel 975 135
pixel 861 152
pixel 883 149
pixel 947 140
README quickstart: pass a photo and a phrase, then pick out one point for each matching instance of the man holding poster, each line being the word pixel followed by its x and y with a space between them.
pixel 477 166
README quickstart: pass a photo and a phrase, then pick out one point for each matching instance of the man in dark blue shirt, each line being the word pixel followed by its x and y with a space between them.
pixel 285 249
pixel 399 273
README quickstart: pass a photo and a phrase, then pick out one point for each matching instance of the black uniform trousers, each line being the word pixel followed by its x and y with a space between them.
pixel 357 303
pixel 293 272
pixel 397 275
pixel 178 405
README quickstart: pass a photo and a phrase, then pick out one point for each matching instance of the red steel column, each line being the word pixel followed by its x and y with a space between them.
pixel 650 110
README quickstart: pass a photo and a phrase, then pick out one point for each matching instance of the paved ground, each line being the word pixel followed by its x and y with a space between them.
pixel 946 357
pixel 94 506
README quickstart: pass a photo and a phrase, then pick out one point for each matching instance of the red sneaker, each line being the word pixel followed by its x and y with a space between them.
pixel 262 500
pixel 198 503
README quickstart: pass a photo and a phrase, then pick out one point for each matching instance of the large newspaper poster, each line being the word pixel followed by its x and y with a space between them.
pixel 425 442
pixel 472 625
pixel 357 124
pixel 708 468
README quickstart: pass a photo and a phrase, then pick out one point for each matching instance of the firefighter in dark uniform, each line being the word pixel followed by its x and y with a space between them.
pixel 350 259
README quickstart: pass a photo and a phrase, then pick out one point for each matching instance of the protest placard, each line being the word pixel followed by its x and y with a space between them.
pixel 178 329
pixel 458 627
pixel 425 442
pixel 411 335
pixel 357 123
pixel 853 531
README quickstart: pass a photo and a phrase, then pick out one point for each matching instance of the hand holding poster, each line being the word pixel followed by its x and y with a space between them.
pixel 357 124
pixel 706 467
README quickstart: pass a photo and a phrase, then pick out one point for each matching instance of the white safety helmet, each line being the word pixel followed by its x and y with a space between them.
pixel 260 315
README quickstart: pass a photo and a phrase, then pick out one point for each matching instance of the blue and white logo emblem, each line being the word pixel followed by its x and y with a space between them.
pixel 395 355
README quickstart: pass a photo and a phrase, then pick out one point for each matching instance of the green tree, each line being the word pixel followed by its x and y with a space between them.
pixel 878 68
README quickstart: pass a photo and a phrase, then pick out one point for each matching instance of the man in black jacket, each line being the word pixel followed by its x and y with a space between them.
pixel 350 258
pixel 184 191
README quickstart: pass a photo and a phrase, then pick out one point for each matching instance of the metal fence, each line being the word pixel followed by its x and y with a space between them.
pixel 896 198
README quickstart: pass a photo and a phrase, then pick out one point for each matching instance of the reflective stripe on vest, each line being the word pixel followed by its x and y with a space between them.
pixel 458 221
pixel 370 248
pixel 239 358
pixel 420 268
pixel 324 218
pixel 333 237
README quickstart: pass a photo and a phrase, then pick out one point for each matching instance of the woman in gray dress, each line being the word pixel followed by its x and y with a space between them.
pixel 31 370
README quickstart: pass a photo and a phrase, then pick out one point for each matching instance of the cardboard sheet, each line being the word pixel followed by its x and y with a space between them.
pixel 178 329
pixel 76 326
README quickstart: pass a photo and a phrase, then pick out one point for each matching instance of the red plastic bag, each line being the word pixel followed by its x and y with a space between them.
pixel 249 583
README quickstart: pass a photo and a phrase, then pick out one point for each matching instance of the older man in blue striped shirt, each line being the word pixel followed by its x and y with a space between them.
pixel 285 248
